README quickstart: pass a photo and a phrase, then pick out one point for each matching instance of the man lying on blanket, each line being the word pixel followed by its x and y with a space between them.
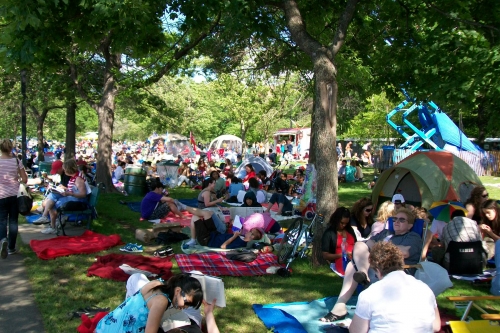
pixel 209 230
pixel 189 319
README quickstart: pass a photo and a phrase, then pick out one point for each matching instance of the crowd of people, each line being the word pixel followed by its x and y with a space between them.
pixel 376 251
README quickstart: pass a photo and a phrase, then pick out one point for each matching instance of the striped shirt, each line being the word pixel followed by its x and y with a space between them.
pixel 9 183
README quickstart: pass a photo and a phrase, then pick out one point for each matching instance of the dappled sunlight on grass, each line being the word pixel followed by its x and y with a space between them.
pixel 61 285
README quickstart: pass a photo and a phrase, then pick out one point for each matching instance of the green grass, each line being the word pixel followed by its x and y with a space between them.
pixel 61 285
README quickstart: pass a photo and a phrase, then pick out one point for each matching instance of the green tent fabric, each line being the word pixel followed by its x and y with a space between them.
pixel 425 177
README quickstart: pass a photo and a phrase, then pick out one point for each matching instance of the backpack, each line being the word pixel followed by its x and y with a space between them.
pixel 170 237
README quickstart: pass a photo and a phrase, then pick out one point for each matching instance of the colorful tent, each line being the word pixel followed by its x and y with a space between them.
pixel 425 177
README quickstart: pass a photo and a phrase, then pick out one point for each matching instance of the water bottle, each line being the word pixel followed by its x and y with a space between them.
pixel 344 248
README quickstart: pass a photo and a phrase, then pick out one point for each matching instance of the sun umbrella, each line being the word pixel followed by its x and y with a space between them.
pixel 442 210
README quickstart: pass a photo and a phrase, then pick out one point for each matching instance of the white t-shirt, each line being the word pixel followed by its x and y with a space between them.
pixel 437 227
pixel 397 303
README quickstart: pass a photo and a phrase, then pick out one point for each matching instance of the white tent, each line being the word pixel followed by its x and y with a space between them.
pixel 227 141
pixel 258 164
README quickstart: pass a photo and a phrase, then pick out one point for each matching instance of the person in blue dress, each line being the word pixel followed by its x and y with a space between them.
pixel 142 312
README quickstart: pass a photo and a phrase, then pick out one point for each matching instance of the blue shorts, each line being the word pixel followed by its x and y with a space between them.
pixel 60 200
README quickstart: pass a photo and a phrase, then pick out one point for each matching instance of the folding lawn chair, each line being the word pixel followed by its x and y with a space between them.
pixel 80 209
pixel 490 322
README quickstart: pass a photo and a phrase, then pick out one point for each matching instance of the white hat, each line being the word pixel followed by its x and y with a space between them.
pixel 398 197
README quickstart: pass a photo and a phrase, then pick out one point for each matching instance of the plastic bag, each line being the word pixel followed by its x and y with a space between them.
pixel 435 276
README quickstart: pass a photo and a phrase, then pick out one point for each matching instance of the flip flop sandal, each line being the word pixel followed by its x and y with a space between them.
pixel 77 314
pixel 165 252
pixel 93 310
pixel 331 317
pixel 361 278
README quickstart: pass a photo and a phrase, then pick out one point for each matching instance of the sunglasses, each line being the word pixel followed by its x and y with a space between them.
pixel 485 195
pixel 399 219
pixel 186 303
pixel 369 210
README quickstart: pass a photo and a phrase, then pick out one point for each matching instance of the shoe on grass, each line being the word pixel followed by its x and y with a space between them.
pixel 41 220
pixel 133 248
pixel 11 252
pixel 3 248
pixel 49 230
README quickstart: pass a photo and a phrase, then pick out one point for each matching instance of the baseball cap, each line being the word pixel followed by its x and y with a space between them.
pixel 398 198
pixel 56 167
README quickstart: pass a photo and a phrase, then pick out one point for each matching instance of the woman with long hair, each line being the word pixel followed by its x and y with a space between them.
pixel 478 195
pixel 385 211
pixel 490 219
pixel 337 231
pixel 10 171
pixel 362 217
pixel 142 312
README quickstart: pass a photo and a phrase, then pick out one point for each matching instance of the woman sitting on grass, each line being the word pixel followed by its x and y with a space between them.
pixel 331 242
pixel 143 311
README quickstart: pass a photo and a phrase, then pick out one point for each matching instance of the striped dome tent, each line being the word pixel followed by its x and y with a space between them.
pixel 425 177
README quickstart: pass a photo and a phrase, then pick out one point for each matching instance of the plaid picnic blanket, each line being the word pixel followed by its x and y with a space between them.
pixel 216 264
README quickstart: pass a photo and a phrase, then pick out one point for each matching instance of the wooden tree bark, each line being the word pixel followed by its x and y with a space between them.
pixel 324 118
pixel 70 130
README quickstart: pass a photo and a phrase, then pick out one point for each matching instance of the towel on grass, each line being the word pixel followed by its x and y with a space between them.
pixel 88 242
pixel 216 264
pixel 300 317
pixel 108 266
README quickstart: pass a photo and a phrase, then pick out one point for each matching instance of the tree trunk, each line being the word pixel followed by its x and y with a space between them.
pixel 324 124
pixel 70 130
pixel 39 136
pixel 106 117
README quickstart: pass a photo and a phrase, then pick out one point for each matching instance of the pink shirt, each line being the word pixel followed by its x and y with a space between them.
pixel 9 183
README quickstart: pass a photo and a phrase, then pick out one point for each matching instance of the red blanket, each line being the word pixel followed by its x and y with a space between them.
pixel 107 266
pixel 61 246
pixel 215 264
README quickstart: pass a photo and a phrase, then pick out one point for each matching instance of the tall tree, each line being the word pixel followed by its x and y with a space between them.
pixel 119 44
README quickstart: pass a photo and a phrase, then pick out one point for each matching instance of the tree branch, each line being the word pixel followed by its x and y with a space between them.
pixel 344 22
pixel 79 88
pixel 297 28
pixel 179 55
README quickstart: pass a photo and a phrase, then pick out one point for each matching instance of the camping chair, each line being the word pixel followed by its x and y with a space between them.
pixel 489 322
pixel 466 258
pixel 80 209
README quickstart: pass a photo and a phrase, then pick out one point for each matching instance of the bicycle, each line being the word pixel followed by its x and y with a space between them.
pixel 297 234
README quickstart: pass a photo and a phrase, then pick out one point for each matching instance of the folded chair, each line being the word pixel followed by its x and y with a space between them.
pixel 80 209
pixel 490 322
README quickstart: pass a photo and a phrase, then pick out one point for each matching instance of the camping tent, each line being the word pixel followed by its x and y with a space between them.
pixel 227 141
pixel 258 164
pixel 425 177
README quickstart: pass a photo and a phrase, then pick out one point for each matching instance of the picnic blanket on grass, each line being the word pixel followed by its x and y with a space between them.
pixel 108 266
pixel 88 242
pixel 216 264
pixel 301 317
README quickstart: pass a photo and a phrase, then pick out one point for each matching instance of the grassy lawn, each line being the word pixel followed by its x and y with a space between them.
pixel 61 285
